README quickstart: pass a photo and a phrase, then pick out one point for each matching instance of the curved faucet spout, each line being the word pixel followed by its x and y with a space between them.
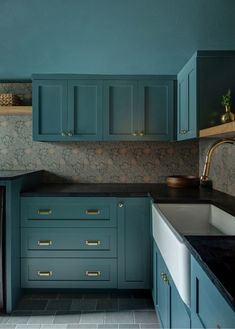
pixel 205 175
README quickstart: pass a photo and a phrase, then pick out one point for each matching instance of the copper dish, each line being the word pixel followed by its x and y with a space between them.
pixel 182 181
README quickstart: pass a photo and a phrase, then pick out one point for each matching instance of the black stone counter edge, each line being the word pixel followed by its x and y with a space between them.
pixel 227 296
pixel 14 174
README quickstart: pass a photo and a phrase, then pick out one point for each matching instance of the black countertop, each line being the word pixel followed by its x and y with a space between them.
pixel 13 174
pixel 158 192
pixel 216 255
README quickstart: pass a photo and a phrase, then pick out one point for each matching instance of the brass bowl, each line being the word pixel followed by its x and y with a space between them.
pixel 182 181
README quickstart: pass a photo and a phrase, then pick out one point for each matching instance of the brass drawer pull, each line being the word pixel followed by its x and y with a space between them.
pixel 92 242
pixel 44 242
pixel 44 273
pixel 44 211
pixel 93 273
pixel 92 211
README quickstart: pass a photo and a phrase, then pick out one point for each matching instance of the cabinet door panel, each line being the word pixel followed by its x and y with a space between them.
pixel 156 109
pixel 208 307
pixel 164 293
pixel 85 109
pixel 187 101
pixel 49 106
pixel 120 109
pixel 134 244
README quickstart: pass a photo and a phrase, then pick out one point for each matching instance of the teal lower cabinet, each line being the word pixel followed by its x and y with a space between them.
pixel 68 273
pixel 85 242
pixel 134 243
pixel 208 307
pixel 171 310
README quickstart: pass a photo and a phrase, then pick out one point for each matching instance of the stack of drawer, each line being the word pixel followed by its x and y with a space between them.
pixel 68 242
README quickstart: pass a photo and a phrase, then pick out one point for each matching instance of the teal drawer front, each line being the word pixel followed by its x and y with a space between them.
pixel 68 242
pixel 68 273
pixel 68 212
pixel 209 308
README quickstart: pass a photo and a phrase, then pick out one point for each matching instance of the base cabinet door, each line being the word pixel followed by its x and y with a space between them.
pixel 208 307
pixel 171 310
pixel 133 217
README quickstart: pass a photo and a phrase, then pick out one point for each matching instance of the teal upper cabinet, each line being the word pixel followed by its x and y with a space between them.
pixel 156 109
pixel 133 218
pixel 138 109
pixel 49 109
pixel 76 107
pixel 67 109
pixel 120 107
pixel 85 109
pixel 201 83
pixel 187 109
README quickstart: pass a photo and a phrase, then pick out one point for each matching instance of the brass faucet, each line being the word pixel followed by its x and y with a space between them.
pixel 205 175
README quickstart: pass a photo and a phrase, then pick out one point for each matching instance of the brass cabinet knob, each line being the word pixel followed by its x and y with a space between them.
pixel 92 242
pixel 183 131
pixel 93 273
pixel 70 134
pixel 63 133
pixel 44 242
pixel 134 133
pixel 121 204
pixel 141 134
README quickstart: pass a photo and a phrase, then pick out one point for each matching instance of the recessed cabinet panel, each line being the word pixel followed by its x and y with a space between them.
pixel 133 243
pixel 120 104
pixel 50 100
pixel 156 109
pixel 85 104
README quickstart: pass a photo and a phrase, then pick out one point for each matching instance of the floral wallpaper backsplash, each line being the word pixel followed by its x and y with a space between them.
pixel 103 162
pixel 222 170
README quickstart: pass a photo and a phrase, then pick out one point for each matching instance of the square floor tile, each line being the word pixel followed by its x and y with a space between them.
pixel 107 305
pixel 41 317
pixel 145 317
pixel 83 304
pixel 59 304
pixel 32 304
pixel 119 317
pixel 92 317
pixel 67 317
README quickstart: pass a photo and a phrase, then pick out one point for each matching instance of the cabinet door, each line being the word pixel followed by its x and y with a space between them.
pixel 187 101
pixel 163 293
pixel 156 110
pixel 85 109
pixel 208 307
pixel 134 243
pixel 49 110
pixel 120 110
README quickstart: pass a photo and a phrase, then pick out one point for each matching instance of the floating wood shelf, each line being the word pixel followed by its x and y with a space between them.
pixel 15 110
pixel 225 129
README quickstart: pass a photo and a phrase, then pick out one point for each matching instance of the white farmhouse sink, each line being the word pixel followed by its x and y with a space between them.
pixel 171 221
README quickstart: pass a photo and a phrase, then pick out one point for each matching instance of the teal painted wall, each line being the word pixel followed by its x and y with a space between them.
pixel 109 36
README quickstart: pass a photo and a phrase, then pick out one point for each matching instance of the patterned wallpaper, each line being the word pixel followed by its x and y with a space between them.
pixel 222 171
pixel 103 162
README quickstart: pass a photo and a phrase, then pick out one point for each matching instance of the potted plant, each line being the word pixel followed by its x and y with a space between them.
pixel 228 116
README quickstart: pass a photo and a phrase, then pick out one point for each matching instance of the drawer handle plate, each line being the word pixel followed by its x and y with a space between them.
pixel 92 212
pixel 93 273
pixel 45 273
pixel 44 212
pixel 44 242
pixel 92 242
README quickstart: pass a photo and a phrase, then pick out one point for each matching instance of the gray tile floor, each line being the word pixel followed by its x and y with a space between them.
pixel 84 311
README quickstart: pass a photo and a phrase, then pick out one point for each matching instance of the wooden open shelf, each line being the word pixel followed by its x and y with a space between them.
pixel 225 129
pixel 15 110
